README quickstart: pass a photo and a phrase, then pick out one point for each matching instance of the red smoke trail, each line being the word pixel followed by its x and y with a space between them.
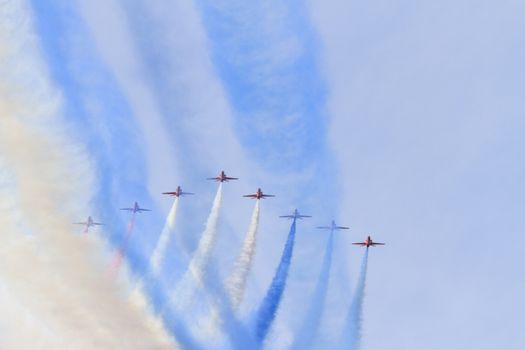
pixel 121 252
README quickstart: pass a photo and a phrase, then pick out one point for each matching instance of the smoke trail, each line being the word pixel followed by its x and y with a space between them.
pixel 270 304
pixel 236 283
pixel 307 334
pixel 184 290
pixel 51 275
pixel 121 252
pixel 157 257
pixel 149 286
pixel 352 332
pixel 222 312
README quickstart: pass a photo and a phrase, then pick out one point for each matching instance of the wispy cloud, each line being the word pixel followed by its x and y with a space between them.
pixel 265 53
pixel 129 72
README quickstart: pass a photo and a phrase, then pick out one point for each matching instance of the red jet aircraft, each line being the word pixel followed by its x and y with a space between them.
pixel 258 195
pixel 222 177
pixel 368 243
pixel 177 193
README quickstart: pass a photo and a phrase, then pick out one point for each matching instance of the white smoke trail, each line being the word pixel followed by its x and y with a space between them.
pixel 157 257
pixel 63 300
pixel 236 282
pixel 193 277
pixel 221 312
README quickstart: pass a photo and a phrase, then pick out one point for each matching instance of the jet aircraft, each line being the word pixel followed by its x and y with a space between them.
pixel 89 223
pixel 222 177
pixel 368 243
pixel 332 227
pixel 258 195
pixel 295 215
pixel 177 193
pixel 136 208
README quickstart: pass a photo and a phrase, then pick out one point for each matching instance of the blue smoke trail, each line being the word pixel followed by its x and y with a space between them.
pixel 307 334
pixel 352 331
pixel 270 304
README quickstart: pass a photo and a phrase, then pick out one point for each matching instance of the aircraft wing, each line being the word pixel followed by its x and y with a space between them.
pixel 287 216
pixel 303 216
pixel 98 224
pixel 374 243
pixel 231 178
pixel 361 244
pixel 324 227
pixel 341 228
pixel 250 195
pixel 213 178
pixel 142 209
pixel 80 223
pixel 267 195
pixel 128 209
pixel 177 194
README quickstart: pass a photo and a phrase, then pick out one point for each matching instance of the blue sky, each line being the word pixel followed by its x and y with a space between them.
pixel 428 98
pixel 401 120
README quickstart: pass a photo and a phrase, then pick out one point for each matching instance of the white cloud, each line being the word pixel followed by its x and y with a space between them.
pixel 50 276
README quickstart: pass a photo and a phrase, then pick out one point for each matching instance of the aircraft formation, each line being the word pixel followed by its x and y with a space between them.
pixel 234 284
pixel 222 177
